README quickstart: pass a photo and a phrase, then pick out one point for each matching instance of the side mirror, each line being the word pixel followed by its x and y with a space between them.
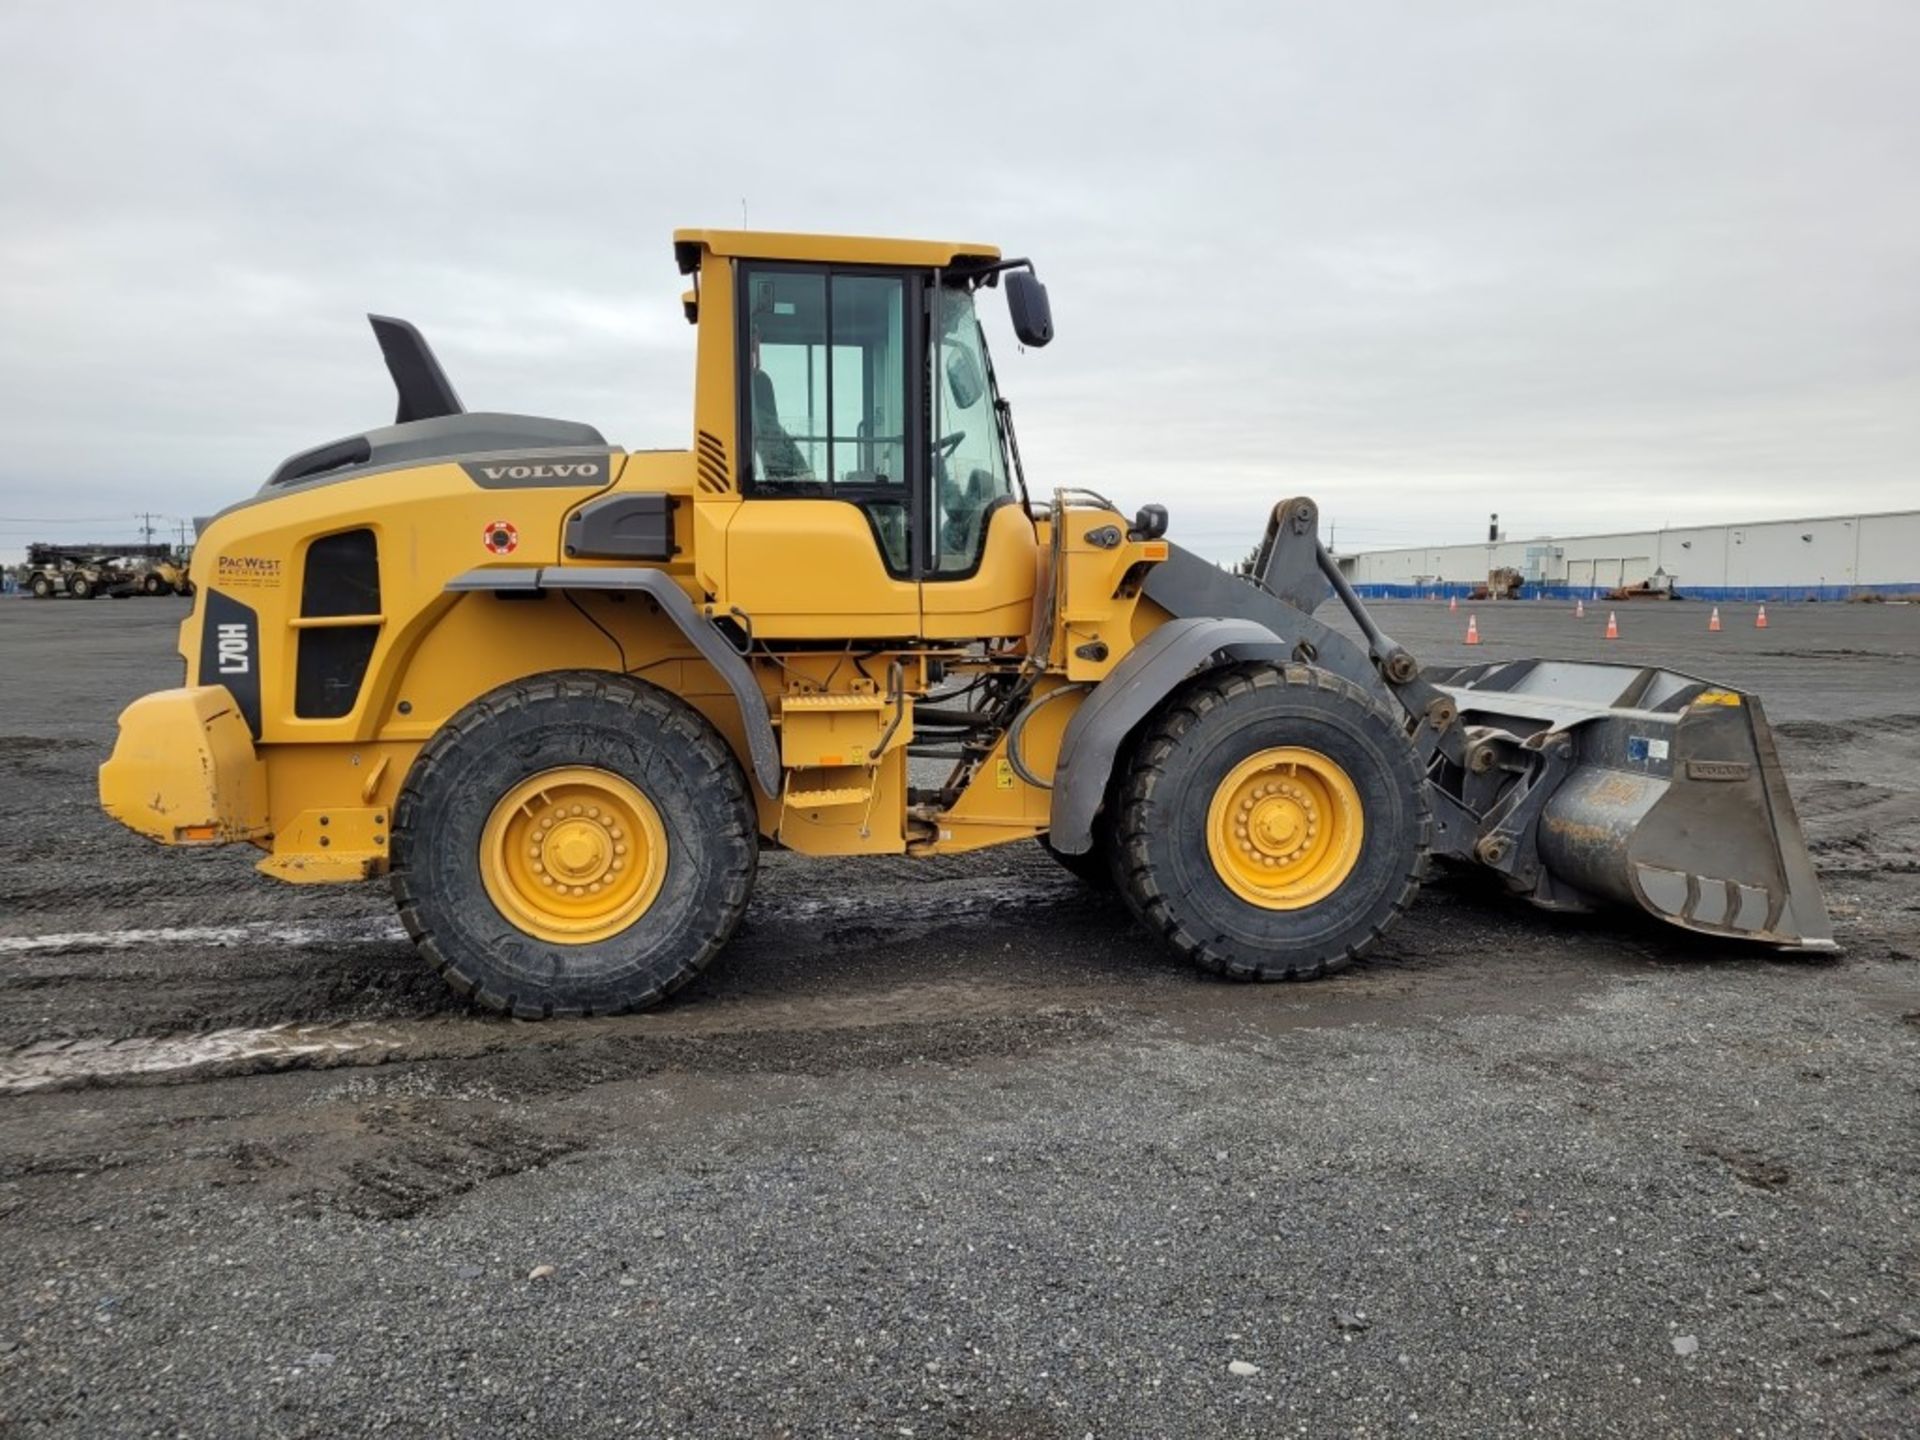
pixel 1149 523
pixel 1027 306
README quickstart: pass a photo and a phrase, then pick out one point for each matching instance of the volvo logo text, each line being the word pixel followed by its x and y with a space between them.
pixel 583 470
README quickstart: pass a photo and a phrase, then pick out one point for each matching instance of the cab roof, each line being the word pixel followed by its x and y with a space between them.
pixel 841 249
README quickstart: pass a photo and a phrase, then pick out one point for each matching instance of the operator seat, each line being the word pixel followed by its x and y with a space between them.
pixel 780 458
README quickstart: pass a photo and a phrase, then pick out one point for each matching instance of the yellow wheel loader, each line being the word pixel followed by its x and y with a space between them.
pixel 561 694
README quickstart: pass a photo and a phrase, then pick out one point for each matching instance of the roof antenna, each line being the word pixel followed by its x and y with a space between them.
pixel 743 212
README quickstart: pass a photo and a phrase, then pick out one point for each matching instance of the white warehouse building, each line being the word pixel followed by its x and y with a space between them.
pixel 1834 557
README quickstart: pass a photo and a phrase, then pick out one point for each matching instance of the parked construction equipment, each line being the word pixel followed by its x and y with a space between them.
pixel 1657 586
pixel 1505 583
pixel 562 694
pixel 85 572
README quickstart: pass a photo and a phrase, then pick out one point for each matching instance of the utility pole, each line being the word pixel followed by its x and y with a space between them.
pixel 146 519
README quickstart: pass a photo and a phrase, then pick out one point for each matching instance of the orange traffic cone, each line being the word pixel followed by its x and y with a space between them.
pixel 1613 627
pixel 1760 620
pixel 1473 630
pixel 1453 602
pixel 1579 609
pixel 1713 620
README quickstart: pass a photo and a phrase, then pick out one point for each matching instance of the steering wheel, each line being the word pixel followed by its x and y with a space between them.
pixel 947 444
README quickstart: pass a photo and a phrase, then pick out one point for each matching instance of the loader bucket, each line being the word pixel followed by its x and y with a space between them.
pixel 1674 802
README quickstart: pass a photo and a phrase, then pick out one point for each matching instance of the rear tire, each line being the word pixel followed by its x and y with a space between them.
pixel 153 585
pixel 80 588
pixel 1360 819
pixel 482 788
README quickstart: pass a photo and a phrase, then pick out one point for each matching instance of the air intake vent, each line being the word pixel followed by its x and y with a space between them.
pixel 342 576
pixel 711 459
pixel 339 623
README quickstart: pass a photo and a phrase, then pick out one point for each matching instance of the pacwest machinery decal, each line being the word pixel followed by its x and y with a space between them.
pixel 514 472
pixel 230 653
pixel 247 572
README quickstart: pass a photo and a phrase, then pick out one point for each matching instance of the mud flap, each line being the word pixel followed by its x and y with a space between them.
pixel 1675 802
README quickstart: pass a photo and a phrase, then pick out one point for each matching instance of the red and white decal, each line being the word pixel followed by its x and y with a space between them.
pixel 501 537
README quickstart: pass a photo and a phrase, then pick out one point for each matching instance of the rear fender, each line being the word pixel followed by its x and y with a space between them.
pixel 762 747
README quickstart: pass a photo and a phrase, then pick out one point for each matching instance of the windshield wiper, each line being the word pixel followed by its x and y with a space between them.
pixel 1003 409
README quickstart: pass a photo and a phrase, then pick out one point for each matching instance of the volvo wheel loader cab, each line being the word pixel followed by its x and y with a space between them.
pixel 561 694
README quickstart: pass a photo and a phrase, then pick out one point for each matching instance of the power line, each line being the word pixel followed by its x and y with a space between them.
pixel 63 519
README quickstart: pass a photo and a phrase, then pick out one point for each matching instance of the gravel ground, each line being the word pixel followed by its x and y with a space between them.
pixel 947 1149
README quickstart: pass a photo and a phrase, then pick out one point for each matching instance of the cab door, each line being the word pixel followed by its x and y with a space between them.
pixel 980 550
pixel 822 546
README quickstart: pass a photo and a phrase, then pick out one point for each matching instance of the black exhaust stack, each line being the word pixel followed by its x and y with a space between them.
pixel 424 390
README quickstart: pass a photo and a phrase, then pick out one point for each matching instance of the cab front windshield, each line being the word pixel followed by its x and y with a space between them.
pixel 969 457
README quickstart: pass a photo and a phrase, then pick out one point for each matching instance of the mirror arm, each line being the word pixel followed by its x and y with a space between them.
pixel 988 273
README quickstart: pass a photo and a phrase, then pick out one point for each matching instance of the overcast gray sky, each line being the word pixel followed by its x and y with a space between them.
pixel 1591 265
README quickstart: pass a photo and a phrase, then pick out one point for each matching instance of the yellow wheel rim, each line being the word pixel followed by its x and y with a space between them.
pixel 1285 827
pixel 573 855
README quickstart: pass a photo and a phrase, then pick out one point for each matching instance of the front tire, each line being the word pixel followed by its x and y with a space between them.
pixel 42 588
pixel 573 844
pixel 153 585
pixel 1272 824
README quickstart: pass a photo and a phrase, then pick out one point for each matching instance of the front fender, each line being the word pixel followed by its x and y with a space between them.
pixel 1150 672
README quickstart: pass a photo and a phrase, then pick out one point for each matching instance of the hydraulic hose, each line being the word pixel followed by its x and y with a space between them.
pixel 1020 724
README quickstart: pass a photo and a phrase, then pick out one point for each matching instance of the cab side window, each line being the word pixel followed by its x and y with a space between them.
pixel 827 392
